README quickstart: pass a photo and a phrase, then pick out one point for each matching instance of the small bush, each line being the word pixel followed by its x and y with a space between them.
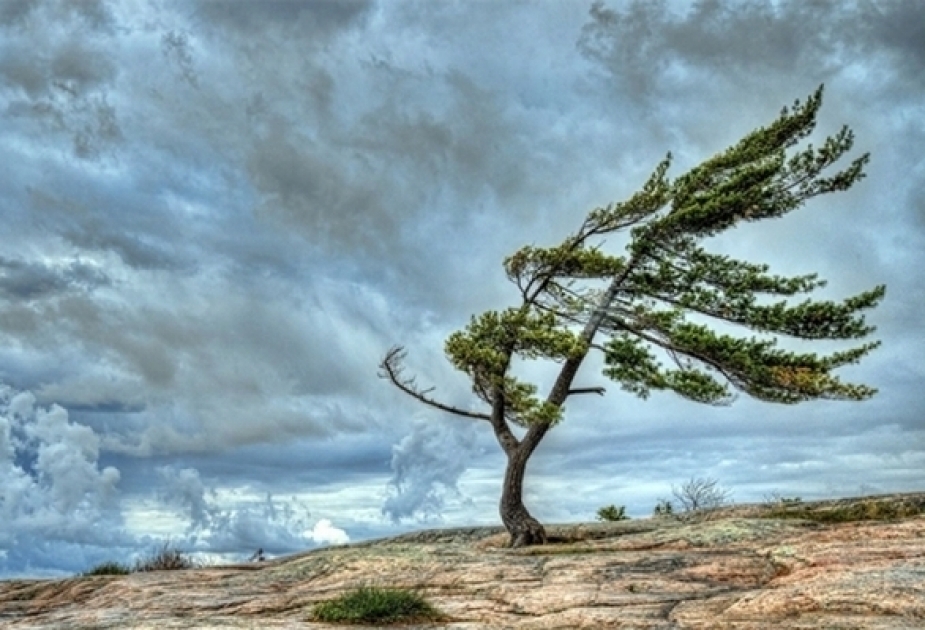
pixel 109 568
pixel 166 559
pixel 776 499
pixel 376 605
pixel 663 508
pixel 612 513
pixel 700 494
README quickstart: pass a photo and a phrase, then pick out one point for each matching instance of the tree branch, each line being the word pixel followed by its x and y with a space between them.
pixel 671 348
pixel 587 390
pixel 506 438
pixel 392 369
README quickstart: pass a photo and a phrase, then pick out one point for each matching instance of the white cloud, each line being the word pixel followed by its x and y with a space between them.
pixel 325 533
pixel 229 522
pixel 426 467
pixel 52 488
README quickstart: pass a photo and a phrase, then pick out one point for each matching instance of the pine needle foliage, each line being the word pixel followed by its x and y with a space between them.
pixel 612 513
pixel 645 307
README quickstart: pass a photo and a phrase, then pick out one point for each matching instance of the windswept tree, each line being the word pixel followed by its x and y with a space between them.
pixel 644 309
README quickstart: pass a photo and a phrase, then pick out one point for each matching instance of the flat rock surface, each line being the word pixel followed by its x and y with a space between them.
pixel 733 569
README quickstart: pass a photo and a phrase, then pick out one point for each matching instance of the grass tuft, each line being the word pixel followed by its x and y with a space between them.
pixel 376 605
pixel 167 558
pixel 109 568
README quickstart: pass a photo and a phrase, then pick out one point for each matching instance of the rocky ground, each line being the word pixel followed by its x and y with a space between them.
pixel 735 569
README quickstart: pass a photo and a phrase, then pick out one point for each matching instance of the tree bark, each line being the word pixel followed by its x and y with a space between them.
pixel 520 524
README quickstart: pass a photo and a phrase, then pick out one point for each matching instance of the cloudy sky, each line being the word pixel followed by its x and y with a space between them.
pixel 218 216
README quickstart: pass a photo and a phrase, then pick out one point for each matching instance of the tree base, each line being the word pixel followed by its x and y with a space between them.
pixel 526 531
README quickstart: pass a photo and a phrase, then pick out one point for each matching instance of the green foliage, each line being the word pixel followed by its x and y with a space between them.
pixel 612 513
pixel 166 558
pixel 483 351
pixel 653 310
pixel 669 277
pixel 376 605
pixel 666 277
pixel 664 507
pixel 109 568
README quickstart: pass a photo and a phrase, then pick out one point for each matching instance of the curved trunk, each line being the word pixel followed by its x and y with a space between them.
pixel 523 528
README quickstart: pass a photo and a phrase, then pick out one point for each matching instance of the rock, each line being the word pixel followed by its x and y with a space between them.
pixel 736 569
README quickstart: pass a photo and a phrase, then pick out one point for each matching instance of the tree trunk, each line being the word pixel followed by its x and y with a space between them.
pixel 523 528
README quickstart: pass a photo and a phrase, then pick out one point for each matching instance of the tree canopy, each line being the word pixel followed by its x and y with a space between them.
pixel 654 309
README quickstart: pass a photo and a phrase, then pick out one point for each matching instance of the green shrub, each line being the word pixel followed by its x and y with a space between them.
pixel 167 558
pixel 612 513
pixel 376 605
pixel 109 568
pixel 663 508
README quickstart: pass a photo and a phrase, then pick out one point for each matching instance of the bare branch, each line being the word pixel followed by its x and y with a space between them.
pixel 587 390
pixel 391 368
pixel 701 494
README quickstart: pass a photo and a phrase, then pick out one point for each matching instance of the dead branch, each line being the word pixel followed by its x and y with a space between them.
pixel 391 369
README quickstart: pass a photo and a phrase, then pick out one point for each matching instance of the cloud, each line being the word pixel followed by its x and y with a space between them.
pixel 52 478
pixel 63 511
pixel 184 490
pixel 58 82
pixel 25 280
pixel 53 492
pixel 426 467
pixel 325 533
pixel 234 524
pixel 318 18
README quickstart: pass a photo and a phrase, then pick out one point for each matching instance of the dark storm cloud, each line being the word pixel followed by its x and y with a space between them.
pixel 22 280
pixel 16 11
pixel 93 14
pixel 316 17
pixel 305 189
pixel 56 67
pixel 650 46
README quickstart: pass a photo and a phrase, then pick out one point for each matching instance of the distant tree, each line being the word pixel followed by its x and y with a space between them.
pixel 664 507
pixel 611 513
pixel 637 307
pixel 697 494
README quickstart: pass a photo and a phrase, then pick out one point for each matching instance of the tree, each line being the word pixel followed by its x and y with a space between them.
pixel 699 494
pixel 636 308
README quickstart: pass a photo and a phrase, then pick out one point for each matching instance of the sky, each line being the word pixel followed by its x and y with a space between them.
pixel 218 217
